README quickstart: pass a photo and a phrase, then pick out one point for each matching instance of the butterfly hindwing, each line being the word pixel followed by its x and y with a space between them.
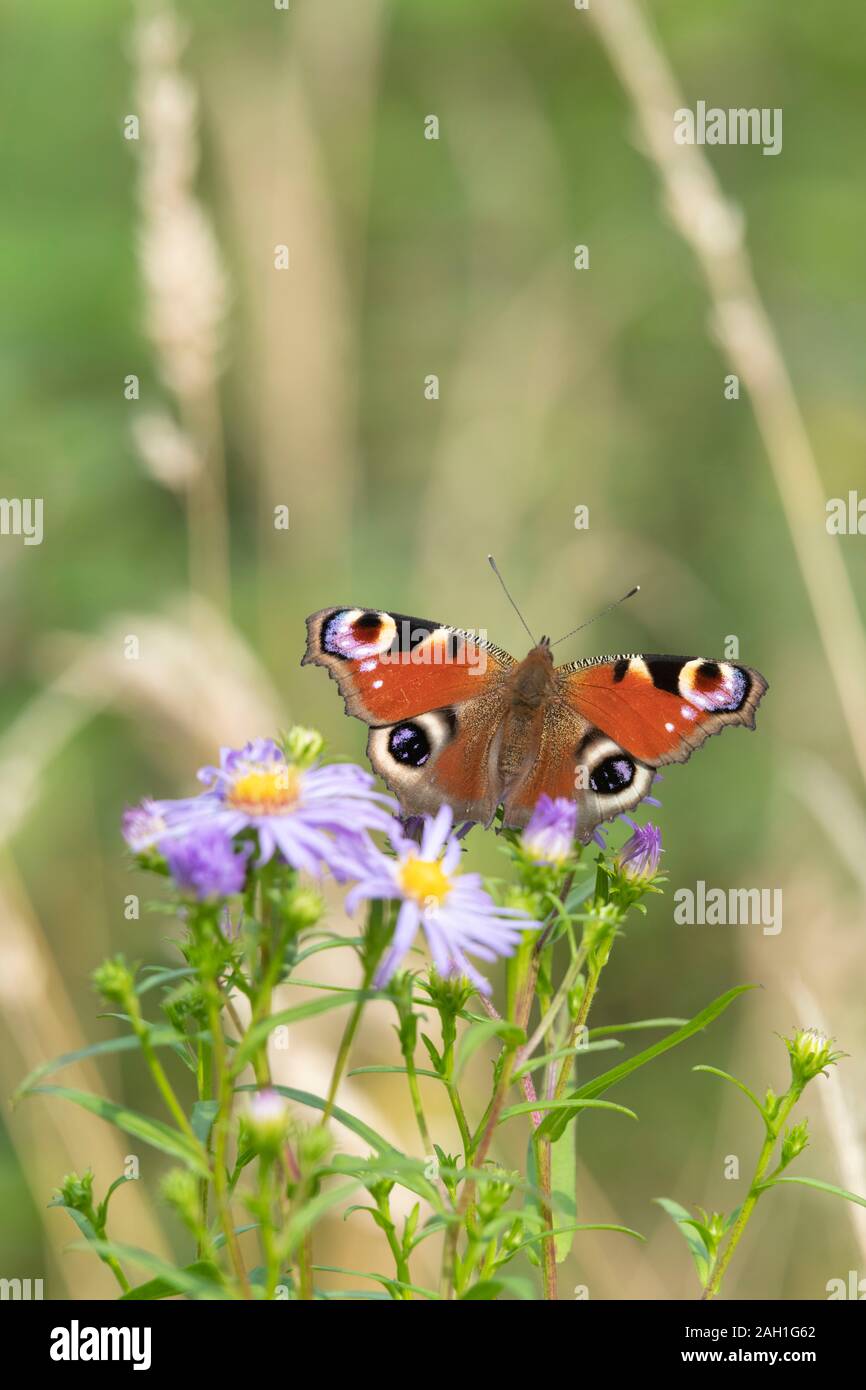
pixel 578 762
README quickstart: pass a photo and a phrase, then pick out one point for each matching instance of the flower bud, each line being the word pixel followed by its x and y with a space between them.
pixel 114 981
pixel 302 746
pixel 549 836
pixel 179 1187
pixel 266 1120
pixel 794 1141
pixel 810 1051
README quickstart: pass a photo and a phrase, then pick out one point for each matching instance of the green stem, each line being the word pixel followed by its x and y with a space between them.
pixel 220 1132
pixel 543 1168
pixel 269 1247
pixel 204 1079
pixel 417 1106
pixel 724 1258
pixel 372 960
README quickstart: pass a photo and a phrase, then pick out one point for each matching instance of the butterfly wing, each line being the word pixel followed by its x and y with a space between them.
pixel 617 719
pixel 434 697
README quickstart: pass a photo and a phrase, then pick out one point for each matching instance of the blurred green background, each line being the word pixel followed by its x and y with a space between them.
pixel 258 388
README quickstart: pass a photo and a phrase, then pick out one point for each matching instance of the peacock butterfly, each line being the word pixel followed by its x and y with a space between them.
pixel 455 720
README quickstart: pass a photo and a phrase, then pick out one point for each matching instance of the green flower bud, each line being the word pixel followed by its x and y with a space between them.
pixel 266 1120
pixel 810 1052
pixel 302 746
pixel 303 908
pixel 77 1192
pixel 115 981
pixel 794 1141
pixel 179 1188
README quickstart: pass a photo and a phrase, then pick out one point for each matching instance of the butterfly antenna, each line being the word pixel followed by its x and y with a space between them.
pixel 492 564
pixel 631 593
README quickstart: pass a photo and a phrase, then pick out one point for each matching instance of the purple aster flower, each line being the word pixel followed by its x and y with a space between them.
pixel 639 856
pixel 207 863
pixel 145 825
pixel 453 910
pixel 549 835
pixel 316 817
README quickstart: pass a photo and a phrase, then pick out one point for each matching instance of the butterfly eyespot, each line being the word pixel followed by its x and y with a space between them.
pixel 409 744
pixel 612 775
pixel 368 622
pixel 715 686
pixel 354 634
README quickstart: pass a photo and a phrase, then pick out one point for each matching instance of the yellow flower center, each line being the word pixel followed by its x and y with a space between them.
pixel 267 793
pixel 427 883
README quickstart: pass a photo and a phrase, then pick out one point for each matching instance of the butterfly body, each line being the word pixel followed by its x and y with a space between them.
pixel 454 719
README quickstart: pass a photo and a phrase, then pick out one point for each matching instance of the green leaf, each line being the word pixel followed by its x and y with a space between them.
pixel 602 1083
pixel 535 1062
pixel 154 1132
pixel 553 1125
pixel 309 1214
pixel 168 1285
pixel 181 1279
pixel 394 1167
pixel 821 1187
pixel 332 944
pixel 579 1226
pixel 400 1071
pixel 202 1116
pixel 157 975
pixel 488 1289
pixel 568 1103
pixel 380 1279
pixel 262 1030
pixel 740 1085
pixel 635 1027
pixel 159 1037
pixel 683 1219
pixel 344 1117
pixel 480 1033
pixel 563 1175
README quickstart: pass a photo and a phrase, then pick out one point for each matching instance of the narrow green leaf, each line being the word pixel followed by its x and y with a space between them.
pixel 154 1132
pixel 344 1117
pixel 740 1085
pixel 183 1281
pixel 563 1175
pixel 310 1213
pixel 159 976
pixel 541 1061
pixel 821 1187
pixel 167 1286
pixel 602 1083
pixel 682 1220
pixel 399 1071
pixel 480 1033
pixel 568 1103
pixel 635 1027
pixel 379 1278
pixel 408 1172
pixel 579 1226
pixel 262 1030
pixel 159 1037
pixel 202 1116
pixel 488 1289
pixel 332 944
